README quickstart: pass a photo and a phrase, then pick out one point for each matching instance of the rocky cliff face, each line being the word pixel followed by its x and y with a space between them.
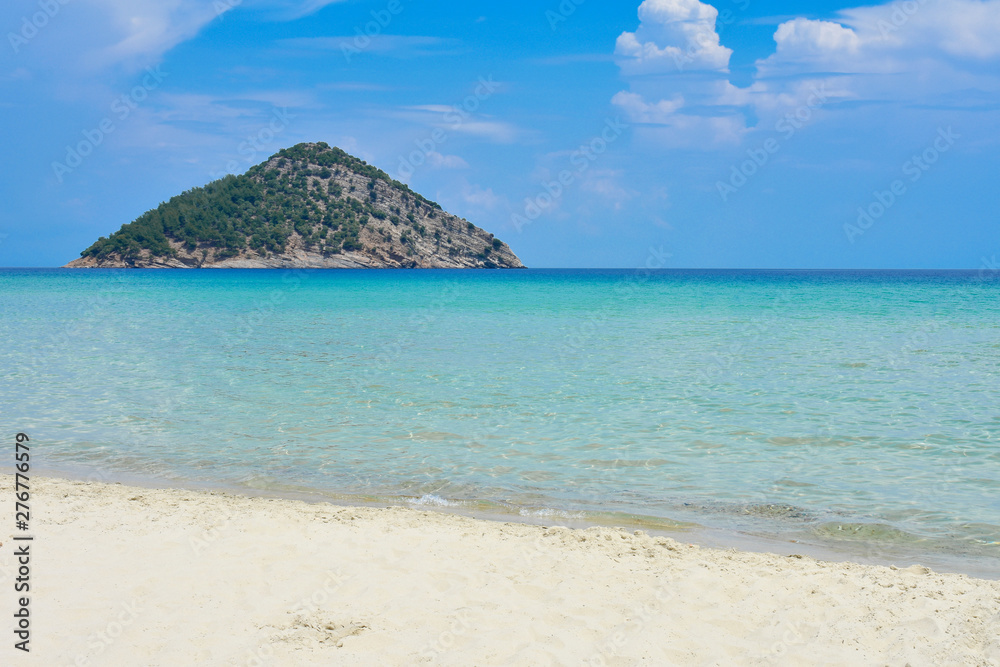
pixel 310 206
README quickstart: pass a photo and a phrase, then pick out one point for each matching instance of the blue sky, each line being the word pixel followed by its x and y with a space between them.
pixel 741 133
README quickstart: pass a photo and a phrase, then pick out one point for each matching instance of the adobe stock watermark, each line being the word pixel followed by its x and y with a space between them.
pixel 743 338
pixel 787 126
pixel 932 332
pixel 263 308
pixel 389 352
pixel 199 543
pixel 562 13
pixel 636 624
pixel 121 108
pixel 581 159
pixel 902 12
pixel 100 641
pixel 256 142
pixel 445 641
pixel 991 265
pixel 587 326
pixel 315 602
pixel 363 35
pixel 30 26
pixel 914 169
pixel 454 117
pixel 223 6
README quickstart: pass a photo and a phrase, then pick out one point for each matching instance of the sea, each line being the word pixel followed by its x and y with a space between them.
pixel 844 414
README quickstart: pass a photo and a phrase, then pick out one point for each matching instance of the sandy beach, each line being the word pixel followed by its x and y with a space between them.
pixel 134 576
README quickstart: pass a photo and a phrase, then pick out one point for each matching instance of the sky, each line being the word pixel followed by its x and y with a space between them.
pixel 666 133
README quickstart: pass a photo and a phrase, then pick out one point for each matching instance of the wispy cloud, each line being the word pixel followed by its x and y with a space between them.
pixel 439 161
pixel 361 86
pixel 399 45
pixel 453 119
pixel 138 32
pixel 207 109
pixel 497 131
pixel 303 9
pixel 573 59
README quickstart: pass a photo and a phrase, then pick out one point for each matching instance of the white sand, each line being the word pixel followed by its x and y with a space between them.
pixel 129 576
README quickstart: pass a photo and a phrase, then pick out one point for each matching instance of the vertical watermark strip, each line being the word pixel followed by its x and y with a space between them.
pixel 22 554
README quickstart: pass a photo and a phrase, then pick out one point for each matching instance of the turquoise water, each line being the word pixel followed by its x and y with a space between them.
pixel 837 408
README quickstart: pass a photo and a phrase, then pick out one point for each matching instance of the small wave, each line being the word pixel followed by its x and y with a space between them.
pixel 431 499
pixel 772 511
pixel 611 464
pixel 879 532
pixel 561 514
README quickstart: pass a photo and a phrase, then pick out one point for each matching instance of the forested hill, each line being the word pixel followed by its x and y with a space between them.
pixel 306 206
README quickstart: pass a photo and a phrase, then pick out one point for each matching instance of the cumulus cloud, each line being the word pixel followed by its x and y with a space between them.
pixel 673 35
pixel 676 37
pixel 805 38
pixel 896 38
pixel 904 53
pixel 959 28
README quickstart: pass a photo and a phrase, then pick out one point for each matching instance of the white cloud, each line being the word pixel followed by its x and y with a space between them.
pixel 90 36
pixel 607 184
pixel 640 111
pixel 381 44
pixel 353 86
pixel 304 8
pixel 904 53
pixel 496 131
pixel 453 119
pixel 667 127
pixel 483 198
pixel 698 132
pixel 893 38
pixel 676 37
pixel 961 28
pixel 804 38
pixel 440 109
pixel 673 35
pixel 141 31
pixel 440 161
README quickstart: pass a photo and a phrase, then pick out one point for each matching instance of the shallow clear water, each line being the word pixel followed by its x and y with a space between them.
pixel 858 408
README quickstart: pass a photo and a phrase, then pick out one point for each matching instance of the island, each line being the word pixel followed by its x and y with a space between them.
pixel 308 206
